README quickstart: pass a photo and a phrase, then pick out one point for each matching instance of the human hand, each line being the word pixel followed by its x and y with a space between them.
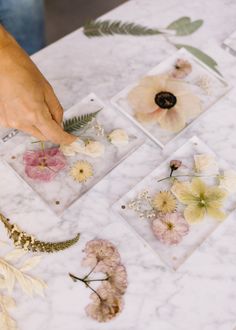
pixel 27 101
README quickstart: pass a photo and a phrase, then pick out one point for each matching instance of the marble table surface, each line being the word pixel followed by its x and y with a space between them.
pixel 201 295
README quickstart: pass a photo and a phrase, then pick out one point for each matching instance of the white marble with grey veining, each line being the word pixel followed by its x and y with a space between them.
pixel 201 295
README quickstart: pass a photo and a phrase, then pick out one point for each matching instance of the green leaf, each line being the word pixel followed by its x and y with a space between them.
pixel 103 28
pixel 74 124
pixel 209 61
pixel 183 26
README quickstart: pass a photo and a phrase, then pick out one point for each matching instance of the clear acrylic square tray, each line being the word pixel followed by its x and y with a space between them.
pixel 202 81
pixel 230 43
pixel 25 208
pixel 63 190
pixel 172 255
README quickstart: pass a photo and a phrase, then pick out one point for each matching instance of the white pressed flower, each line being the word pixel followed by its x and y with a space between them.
pixel 228 180
pixel 206 163
pixel 118 137
pixel 71 149
pixel 93 149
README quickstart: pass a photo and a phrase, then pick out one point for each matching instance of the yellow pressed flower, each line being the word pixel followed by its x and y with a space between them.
pixel 81 171
pixel 164 202
pixel 201 200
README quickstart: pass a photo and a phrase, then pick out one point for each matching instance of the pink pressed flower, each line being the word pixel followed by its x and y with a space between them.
pixel 43 165
pixel 117 278
pixel 170 228
pixel 106 304
pixel 101 254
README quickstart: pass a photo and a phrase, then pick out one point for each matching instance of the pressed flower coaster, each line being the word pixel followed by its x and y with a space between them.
pixel 60 175
pixel 176 207
pixel 171 96
pixel 230 43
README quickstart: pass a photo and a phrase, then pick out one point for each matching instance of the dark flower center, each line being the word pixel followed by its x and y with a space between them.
pixel 81 171
pixel 170 226
pixel 165 100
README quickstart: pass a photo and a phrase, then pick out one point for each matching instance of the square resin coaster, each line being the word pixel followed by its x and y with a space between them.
pixel 171 96
pixel 61 176
pixel 174 215
pixel 230 43
pixel 25 208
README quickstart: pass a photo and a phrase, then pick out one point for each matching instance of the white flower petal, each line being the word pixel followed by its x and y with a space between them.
pixel 206 163
pixel 118 137
pixel 228 181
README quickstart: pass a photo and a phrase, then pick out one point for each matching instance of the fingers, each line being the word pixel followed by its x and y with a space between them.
pixel 54 105
pixel 33 131
pixel 51 129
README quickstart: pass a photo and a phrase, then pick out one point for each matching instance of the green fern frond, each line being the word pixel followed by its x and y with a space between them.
pixel 74 124
pixel 101 28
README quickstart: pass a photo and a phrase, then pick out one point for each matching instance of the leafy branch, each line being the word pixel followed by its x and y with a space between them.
pixel 74 124
pixel 180 27
pixel 6 321
pixel 9 276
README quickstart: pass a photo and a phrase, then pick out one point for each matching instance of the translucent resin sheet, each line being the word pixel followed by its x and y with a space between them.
pixel 192 88
pixel 60 192
pixel 174 215
pixel 230 43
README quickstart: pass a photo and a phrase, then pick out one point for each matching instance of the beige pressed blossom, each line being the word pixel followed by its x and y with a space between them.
pixel 106 304
pixel 118 137
pixel 94 149
pixel 182 69
pixel 72 149
pixel 102 255
pixel 117 278
pixel 164 100
pixel 164 202
pixel 81 171
pixel 201 200
pixel 228 180
pixel 205 163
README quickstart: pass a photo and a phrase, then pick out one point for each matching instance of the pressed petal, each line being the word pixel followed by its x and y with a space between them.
pixel 198 187
pixel 149 117
pixel 216 213
pixel 182 191
pixel 177 87
pixel 159 81
pixel 194 213
pixel 142 99
pixel 190 105
pixel 173 120
pixel 228 181
pixel 215 194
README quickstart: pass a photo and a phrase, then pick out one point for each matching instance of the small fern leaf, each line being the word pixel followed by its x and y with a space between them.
pixel 74 124
pixel 104 28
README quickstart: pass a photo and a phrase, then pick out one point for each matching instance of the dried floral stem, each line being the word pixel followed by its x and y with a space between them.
pixel 30 243
pixel 87 281
pixel 186 175
pixel 91 270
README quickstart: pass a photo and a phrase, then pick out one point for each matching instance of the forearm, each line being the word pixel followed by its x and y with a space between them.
pixel 5 38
